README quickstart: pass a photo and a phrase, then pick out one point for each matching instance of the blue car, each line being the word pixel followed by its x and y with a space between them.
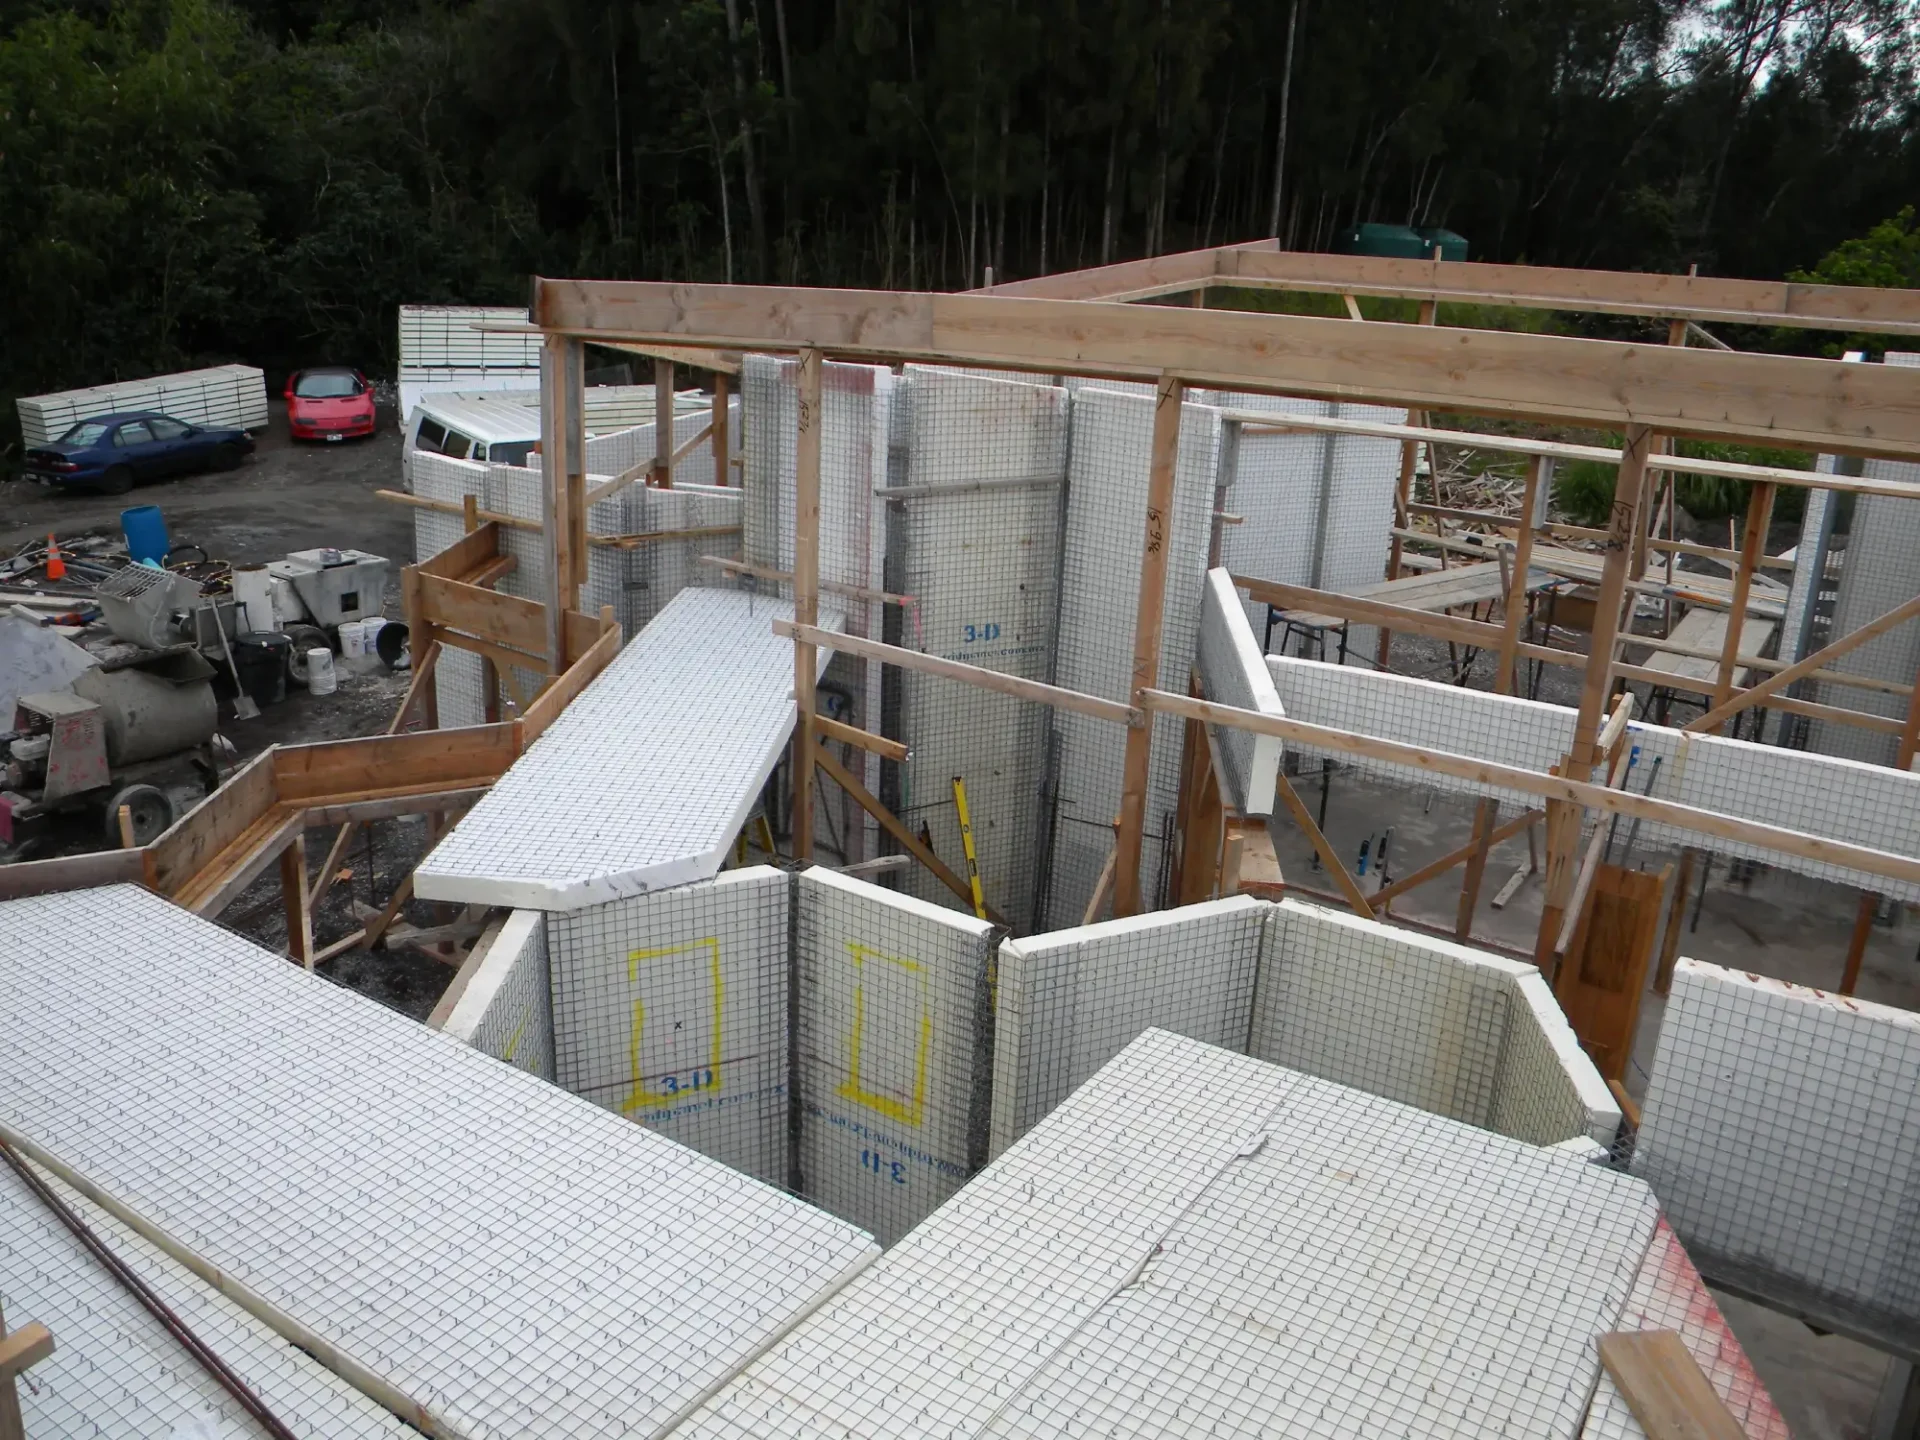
pixel 116 452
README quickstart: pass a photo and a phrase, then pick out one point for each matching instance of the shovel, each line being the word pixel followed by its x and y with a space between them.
pixel 243 706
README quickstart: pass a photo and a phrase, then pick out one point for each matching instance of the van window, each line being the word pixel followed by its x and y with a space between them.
pixel 456 445
pixel 511 452
pixel 430 435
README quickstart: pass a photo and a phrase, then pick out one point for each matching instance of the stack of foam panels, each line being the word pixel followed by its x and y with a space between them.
pixel 479 1251
pixel 227 396
pixel 444 347
pixel 1779 1134
pixel 1200 1243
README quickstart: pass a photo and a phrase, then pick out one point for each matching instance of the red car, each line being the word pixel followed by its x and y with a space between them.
pixel 332 402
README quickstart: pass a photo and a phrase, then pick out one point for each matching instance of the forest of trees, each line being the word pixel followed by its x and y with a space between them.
pixel 185 181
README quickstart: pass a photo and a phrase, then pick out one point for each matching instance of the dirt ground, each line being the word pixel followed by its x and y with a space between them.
pixel 288 497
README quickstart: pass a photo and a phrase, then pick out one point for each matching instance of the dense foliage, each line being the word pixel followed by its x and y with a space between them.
pixel 193 180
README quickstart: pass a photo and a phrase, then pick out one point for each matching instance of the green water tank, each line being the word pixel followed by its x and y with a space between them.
pixel 1393 242
pixel 1452 246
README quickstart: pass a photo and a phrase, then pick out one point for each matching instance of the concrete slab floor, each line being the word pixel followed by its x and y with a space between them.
pixel 1777 924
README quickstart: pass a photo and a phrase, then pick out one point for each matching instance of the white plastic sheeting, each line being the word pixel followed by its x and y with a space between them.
pixel 432 1214
pixel 671 1009
pixel 888 991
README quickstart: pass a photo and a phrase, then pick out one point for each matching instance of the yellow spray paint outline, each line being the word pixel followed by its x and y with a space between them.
pixel 912 1112
pixel 641 1098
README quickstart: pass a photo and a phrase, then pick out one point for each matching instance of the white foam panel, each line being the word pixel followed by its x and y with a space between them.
pixel 1778 1132
pixel 657 572
pixel 458 675
pixel 982 569
pixel 513 1259
pixel 671 1009
pixel 1197 1243
pixel 888 992
pixel 224 395
pixel 506 1011
pixel 115 1372
pixel 1233 672
pixel 645 779
pixel 1110 459
pixel 1070 1001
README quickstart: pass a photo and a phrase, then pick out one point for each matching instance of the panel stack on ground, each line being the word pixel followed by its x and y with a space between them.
pixel 225 396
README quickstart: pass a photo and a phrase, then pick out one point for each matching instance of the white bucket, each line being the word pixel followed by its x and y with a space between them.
pixel 353 640
pixel 320 677
pixel 253 588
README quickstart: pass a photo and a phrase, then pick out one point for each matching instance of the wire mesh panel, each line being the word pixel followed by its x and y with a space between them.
pixel 1810 565
pixel 1233 672
pixel 888 1049
pixel 1104 541
pixel 671 1009
pixel 655 572
pixel 1196 1243
pixel 116 1373
pixel 506 1011
pixel 519 492
pixel 1778 1132
pixel 509 1258
pixel 977 520
pixel 1070 1001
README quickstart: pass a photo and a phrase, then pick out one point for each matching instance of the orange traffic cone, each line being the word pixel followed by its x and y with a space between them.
pixel 56 567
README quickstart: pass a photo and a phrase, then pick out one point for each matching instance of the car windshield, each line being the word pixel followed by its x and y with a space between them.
pixel 87 432
pixel 511 452
pixel 326 387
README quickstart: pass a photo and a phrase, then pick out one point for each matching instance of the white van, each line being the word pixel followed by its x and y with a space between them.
pixel 467 426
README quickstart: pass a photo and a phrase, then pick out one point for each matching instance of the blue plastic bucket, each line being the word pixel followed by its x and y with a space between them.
pixel 146 533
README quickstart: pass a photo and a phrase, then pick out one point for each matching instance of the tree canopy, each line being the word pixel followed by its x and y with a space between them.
pixel 185 181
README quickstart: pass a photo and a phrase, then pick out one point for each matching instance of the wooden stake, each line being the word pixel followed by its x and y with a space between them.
pixel 1433 869
pixel 125 819
pixel 1303 817
pixel 1403 495
pixel 1664 1387
pixel 19 1349
pixel 1146 643
pixel 293 890
pixel 806 597
pixel 1753 545
pixel 722 429
pixel 1484 816
pixel 662 425
pixel 1676 917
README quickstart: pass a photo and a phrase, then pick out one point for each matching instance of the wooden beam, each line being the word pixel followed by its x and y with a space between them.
pixel 1494 776
pixel 1753 546
pixel 662 476
pixel 860 739
pixel 892 824
pixel 1782 678
pixel 1775 399
pixel 1403 500
pixel 19 1349
pixel 721 428
pixel 1834 714
pixel 1033 690
pixel 408 800
pixel 226 877
pixel 379 924
pixel 293 892
pixel 554 523
pixel 1300 598
pixel 806 596
pixel 503 619
pixel 204 832
pixel 721 363
pixel 1303 817
pixel 562 692
pixel 1676 917
pixel 1169 395
pixel 72 872
pixel 1433 869
pixel 1664 1387
pixel 330 770
pixel 1102 888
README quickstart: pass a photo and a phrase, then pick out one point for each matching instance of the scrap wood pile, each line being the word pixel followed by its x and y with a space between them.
pixel 58 576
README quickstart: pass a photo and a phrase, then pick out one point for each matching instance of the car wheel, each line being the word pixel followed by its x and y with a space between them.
pixel 304 638
pixel 227 457
pixel 117 481
pixel 148 808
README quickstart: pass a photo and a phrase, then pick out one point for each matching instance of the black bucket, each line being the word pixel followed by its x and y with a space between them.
pixel 262 663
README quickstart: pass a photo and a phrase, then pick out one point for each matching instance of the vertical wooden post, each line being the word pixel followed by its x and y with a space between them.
pixel 806 595
pixel 574 438
pixel 722 430
pixel 293 892
pixel 20 1350
pixel 662 475
pixel 420 641
pixel 1676 917
pixel 1168 398
pixel 563 483
pixel 1563 817
pixel 1403 495
pixel 1753 545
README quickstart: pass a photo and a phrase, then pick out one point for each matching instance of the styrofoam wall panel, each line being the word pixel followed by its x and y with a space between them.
pixel 519 491
pixel 889 989
pixel 1197 1243
pixel 657 572
pixel 506 1011
pixel 439 341
pixel 1881 573
pixel 458 675
pixel 1778 1133
pixel 614 451
pixel 1233 672
pixel 671 1009
pixel 1276 491
pixel 1547 1089
pixel 1809 568
pixel 643 781
pixel 227 396
pixel 1070 1001
pixel 982 569
pixel 1104 540
pixel 432 1214
pixel 115 1372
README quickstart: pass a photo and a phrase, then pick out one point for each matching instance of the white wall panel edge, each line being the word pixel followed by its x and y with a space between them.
pixel 1536 996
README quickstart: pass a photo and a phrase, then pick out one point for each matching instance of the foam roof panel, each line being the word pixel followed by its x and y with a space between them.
pixel 511 1259
pixel 645 779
